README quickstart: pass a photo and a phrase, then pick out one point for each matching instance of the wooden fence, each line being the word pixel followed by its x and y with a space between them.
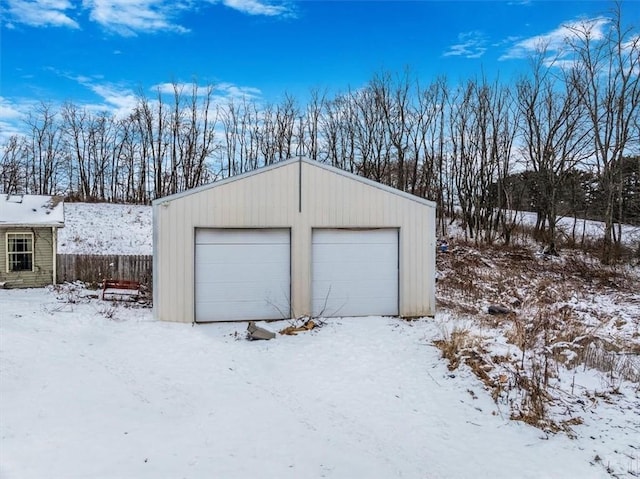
pixel 92 268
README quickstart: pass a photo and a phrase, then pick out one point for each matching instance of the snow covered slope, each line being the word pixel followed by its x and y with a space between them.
pixel 102 228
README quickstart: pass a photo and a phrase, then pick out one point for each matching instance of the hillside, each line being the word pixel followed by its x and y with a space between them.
pixel 105 228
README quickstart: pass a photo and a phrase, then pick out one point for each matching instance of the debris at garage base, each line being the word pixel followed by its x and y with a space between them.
pixel 256 332
pixel 307 325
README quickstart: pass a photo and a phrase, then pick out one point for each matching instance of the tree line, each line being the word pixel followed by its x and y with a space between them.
pixel 564 138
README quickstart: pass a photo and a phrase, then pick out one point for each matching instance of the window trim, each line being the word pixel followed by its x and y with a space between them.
pixel 8 253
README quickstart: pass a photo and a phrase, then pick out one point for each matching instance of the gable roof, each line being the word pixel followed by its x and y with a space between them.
pixel 31 210
pixel 288 162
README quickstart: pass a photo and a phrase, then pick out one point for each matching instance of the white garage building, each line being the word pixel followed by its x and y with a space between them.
pixel 295 238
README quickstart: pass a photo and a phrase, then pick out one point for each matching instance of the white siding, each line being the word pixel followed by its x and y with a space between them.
pixel 269 198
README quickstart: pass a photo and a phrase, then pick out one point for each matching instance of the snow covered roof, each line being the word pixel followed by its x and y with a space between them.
pixel 31 210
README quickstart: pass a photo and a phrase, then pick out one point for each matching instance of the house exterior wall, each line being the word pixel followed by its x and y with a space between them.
pixel 43 264
pixel 301 196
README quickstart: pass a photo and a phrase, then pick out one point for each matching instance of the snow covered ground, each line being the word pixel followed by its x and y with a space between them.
pixel 92 388
pixel 104 228
pixel 591 229
pixel 95 389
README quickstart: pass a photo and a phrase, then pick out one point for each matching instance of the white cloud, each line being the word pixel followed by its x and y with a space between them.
pixel 221 91
pixel 8 111
pixel 256 7
pixel 119 101
pixel 235 91
pixel 555 41
pixel 470 45
pixel 13 114
pixel 128 17
pixel 116 99
pixel 167 88
pixel 632 43
pixel 41 13
pixel 510 40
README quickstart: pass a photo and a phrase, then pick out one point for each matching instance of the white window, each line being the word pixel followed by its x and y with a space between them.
pixel 19 252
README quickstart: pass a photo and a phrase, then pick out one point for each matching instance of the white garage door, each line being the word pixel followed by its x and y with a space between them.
pixel 355 272
pixel 242 274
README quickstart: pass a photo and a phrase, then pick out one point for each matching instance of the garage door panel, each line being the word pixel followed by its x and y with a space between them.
pixel 242 274
pixel 340 308
pixel 339 305
pixel 364 287
pixel 237 271
pixel 355 272
pixel 337 252
pixel 352 271
pixel 355 236
pixel 241 254
pixel 241 236
pixel 241 291
pixel 238 311
pixel 371 298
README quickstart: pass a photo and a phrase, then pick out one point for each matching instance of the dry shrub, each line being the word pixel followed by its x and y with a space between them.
pixel 523 233
pixel 478 363
pixel 531 408
pixel 594 246
pixel 462 287
pixel 605 357
pixel 455 344
pixel 457 306
pixel 545 326
pixel 463 346
pixel 528 328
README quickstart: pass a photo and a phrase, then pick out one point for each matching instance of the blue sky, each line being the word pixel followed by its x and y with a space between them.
pixel 101 53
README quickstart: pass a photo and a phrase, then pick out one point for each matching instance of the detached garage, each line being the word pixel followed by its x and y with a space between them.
pixel 295 238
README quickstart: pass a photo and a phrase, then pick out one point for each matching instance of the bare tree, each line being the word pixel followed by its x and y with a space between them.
pixel 606 75
pixel 314 112
pixel 337 133
pixel 554 136
pixel 504 121
pixel 365 123
pixel 427 146
pixel 393 101
pixel 13 165
pixel 285 118
pixel 198 140
pixel 44 151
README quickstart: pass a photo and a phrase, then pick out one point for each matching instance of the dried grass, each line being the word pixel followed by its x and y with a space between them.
pixel 455 344
pixel 547 328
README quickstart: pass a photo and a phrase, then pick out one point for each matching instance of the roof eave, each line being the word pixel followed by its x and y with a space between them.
pixel 31 225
